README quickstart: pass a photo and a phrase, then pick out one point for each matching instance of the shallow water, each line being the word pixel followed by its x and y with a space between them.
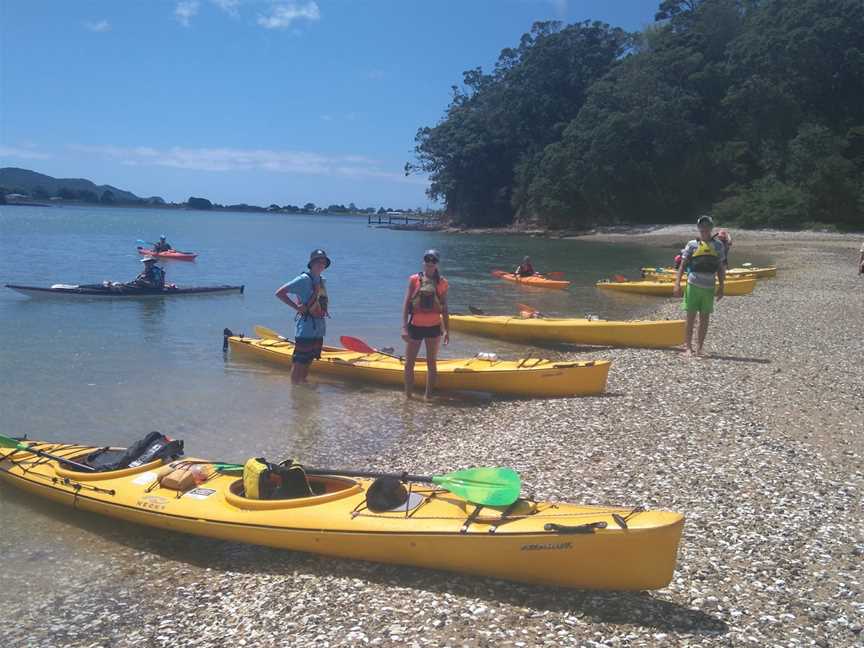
pixel 107 372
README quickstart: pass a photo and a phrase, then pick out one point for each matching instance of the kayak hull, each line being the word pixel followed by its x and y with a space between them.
pixel 96 290
pixel 732 273
pixel 649 334
pixel 535 281
pixel 531 377
pixel 175 255
pixel 514 545
pixel 732 288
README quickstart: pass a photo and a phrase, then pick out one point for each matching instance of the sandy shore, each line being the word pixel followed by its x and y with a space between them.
pixel 761 447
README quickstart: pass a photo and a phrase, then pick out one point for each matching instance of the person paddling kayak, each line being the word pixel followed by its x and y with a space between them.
pixel 525 269
pixel 162 245
pixel 151 277
pixel 425 317
pixel 311 305
pixel 704 260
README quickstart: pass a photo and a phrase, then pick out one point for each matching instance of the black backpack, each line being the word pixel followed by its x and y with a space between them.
pixel 152 447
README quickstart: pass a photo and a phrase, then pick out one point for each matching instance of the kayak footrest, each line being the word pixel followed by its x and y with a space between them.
pixel 582 528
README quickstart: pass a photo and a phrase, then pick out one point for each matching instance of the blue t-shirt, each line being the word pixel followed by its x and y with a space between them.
pixel 307 325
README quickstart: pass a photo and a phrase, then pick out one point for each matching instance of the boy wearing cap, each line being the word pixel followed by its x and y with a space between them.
pixel 704 260
pixel 311 305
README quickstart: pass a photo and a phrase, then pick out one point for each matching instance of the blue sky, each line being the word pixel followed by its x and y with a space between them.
pixel 254 101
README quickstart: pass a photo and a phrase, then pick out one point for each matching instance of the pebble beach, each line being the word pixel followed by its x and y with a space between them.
pixel 760 445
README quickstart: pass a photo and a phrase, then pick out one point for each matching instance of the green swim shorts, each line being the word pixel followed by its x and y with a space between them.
pixel 698 300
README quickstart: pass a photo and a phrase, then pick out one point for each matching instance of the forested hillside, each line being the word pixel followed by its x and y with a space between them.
pixel 750 109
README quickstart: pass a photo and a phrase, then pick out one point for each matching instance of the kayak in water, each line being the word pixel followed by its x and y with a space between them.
pixel 177 255
pixel 530 377
pixel 536 280
pixel 111 290
pixel 450 524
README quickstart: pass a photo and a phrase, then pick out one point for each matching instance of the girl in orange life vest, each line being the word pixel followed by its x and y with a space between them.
pixel 424 313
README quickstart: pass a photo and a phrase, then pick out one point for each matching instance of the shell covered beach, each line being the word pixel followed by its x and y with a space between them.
pixel 759 445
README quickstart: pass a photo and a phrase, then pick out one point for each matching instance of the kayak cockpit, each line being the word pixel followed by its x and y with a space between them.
pixel 326 488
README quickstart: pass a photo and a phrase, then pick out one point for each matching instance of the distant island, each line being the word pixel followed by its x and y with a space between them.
pixel 26 187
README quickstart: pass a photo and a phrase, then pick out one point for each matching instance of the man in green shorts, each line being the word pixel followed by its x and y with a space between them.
pixel 704 260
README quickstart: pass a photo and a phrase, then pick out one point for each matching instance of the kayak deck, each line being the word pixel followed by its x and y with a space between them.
pixel 534 281
pixel 534 377
pixel 650 334
pixel 176 255
pixel 621 548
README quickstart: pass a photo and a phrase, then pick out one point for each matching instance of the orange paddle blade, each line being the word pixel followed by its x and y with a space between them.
pixel 356 344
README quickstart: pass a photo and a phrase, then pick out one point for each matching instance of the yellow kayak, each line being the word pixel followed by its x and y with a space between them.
pixel 743 272
pixel 732 287
pixel 525 377
pixel 596 547
pixel 661 333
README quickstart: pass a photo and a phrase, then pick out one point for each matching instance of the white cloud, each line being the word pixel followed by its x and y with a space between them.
pixel 97 25
pixel 229 159
pixel 283 15
pixel 23 153
pixel 228 6
pixel 185 10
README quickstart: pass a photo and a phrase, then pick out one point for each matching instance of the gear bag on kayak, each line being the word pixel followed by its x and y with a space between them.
pixel 152 447
pixel 264 480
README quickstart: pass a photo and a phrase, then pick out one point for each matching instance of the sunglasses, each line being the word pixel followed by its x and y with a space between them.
pixel 430 259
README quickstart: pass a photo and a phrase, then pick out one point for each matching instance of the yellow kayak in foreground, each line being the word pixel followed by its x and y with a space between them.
pixel 525 377
pixel 661 333
pixel 615 548
pixel 665 288
pixel 743 272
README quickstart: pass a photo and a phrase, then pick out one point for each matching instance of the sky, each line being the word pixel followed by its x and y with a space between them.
pixel 254 101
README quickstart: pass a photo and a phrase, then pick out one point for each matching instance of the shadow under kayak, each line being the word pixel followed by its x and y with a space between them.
pixel 100 290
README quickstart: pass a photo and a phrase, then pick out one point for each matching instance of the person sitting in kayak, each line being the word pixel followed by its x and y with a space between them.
pixel 152 277
pixel 311 304
pixel 525 269
pixel 425 317
pixel 162 245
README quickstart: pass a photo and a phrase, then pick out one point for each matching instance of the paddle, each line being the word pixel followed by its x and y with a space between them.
pixel 487 486
pixel 8 442
pixel 358 345
pixel 142 242
pixel 269 334
pixel 529 310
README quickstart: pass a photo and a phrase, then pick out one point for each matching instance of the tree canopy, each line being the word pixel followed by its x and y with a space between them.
pixel 749 108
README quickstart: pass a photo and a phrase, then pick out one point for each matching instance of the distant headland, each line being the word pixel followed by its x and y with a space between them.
pixel 26 187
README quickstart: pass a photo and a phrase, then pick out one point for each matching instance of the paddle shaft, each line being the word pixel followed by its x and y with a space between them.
pixel 363 473
pixel 48 455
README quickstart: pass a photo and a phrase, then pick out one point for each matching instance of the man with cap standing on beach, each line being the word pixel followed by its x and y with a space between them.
pixel 311 305
pixel 704 260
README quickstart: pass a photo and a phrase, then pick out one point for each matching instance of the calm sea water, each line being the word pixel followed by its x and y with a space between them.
pixel 107 372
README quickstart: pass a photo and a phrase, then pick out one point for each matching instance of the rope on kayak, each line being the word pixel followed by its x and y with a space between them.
pixel 505 515
pixel 470 519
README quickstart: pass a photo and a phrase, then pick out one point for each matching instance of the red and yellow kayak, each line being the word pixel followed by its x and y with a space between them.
pixel 535 281
pixel 176 255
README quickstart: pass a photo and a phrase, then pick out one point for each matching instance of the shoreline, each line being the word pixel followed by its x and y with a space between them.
pixel 760 446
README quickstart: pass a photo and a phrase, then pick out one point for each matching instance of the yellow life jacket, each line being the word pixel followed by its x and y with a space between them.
pixel 705 258
pixel 425 298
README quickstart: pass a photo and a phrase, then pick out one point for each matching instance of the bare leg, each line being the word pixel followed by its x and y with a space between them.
pixel 431 364
pixel 688 340
pixel 412 348
pixel 299 372
pixel 703 331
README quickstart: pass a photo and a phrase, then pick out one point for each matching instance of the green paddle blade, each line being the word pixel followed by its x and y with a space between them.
pixel 487 486
pixel 8 442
